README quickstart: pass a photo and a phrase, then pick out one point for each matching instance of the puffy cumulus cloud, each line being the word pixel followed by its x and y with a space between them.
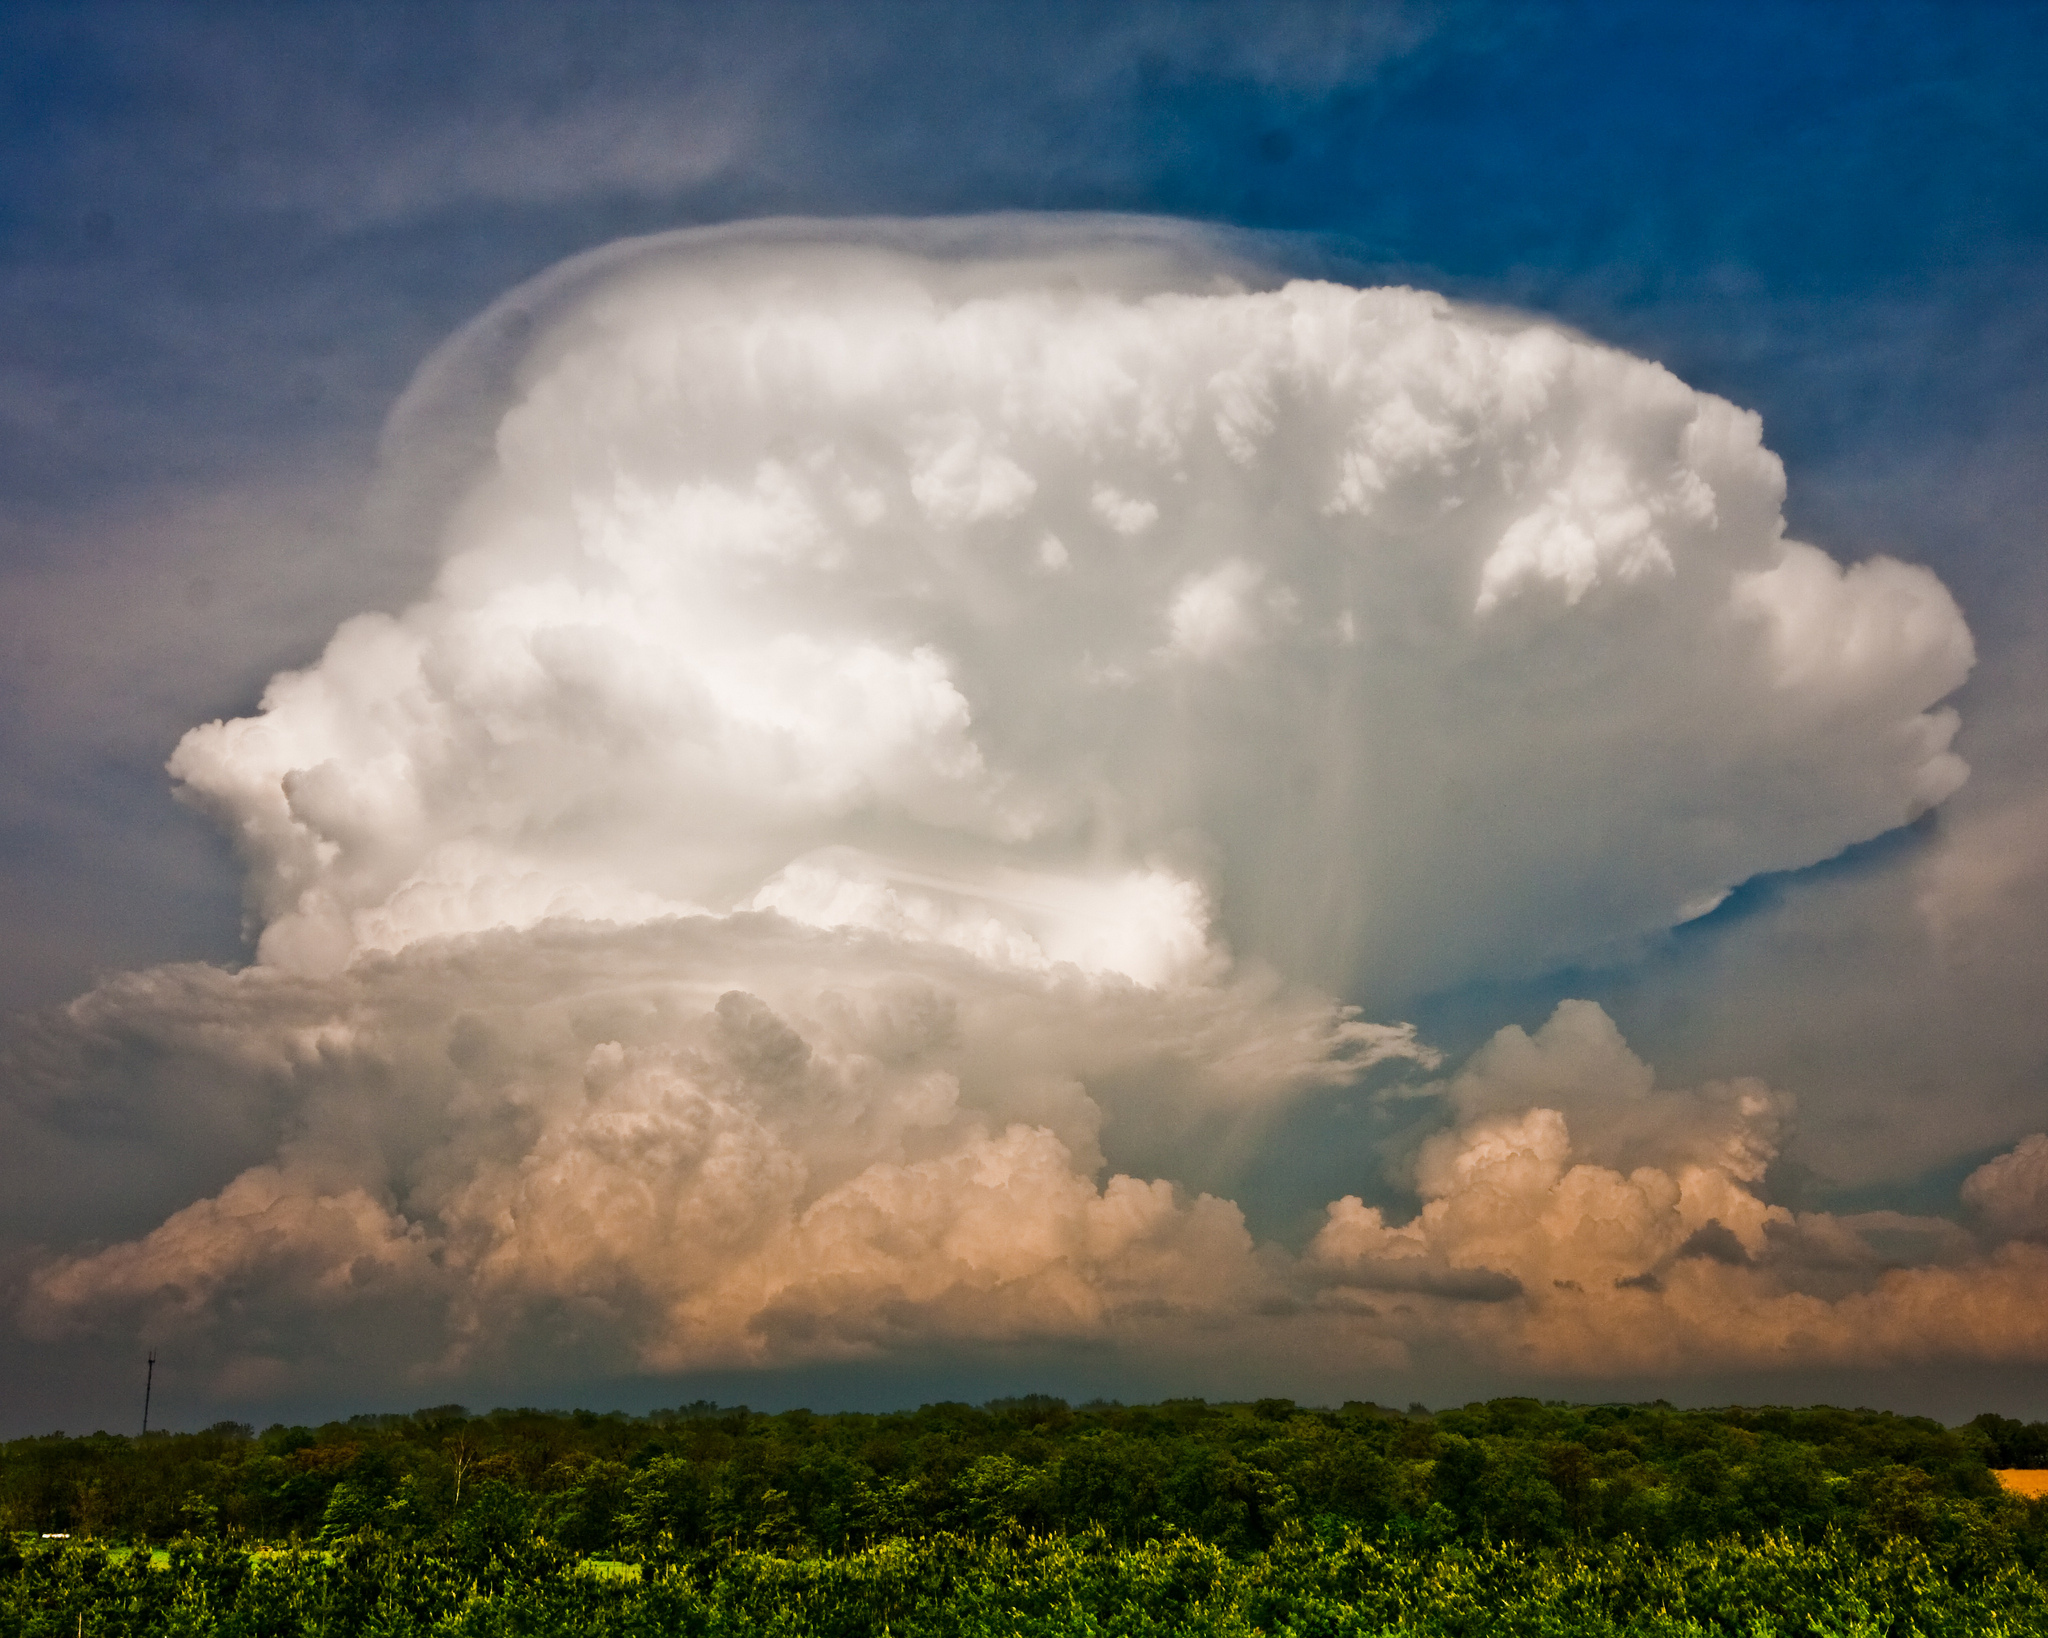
pixel 907 714
pixel 1014 582
pixel 567 1150
pixel 2010 1192
pixel 1578 1066
pixel 1569 1172
pixel 695 1141
pixel 1616 1229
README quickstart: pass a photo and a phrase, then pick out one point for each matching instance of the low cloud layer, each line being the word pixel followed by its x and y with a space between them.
pixel 1633 1236
pixel 563 1153
pixel 587 1143
pixel 918 737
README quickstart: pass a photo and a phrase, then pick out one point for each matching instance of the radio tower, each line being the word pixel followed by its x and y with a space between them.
pixel 148 1382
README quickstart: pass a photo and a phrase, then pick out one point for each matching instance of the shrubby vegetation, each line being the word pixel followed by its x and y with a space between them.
pixel 1032 1516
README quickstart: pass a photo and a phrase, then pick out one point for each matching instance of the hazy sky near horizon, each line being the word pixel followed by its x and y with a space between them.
pixel 1007 784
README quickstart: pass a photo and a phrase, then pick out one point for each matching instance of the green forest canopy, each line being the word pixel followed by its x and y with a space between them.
pixel 1229 1475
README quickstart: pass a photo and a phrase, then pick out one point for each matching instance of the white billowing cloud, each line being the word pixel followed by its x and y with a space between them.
pixel 1417 642
pixel 1214 616
pixel 1594 525
pixel 1149 925
pixel 1579 1065
pixel 903 706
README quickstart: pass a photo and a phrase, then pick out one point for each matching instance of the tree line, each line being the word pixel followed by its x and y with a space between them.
pixel 1234 1477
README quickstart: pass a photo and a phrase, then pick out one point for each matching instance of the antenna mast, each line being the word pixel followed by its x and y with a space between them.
pixel 148 1383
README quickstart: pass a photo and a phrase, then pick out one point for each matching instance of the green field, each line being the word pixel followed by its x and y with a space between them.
pixel 1031 1516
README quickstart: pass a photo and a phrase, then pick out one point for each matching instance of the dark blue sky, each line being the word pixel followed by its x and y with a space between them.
pixel 227 223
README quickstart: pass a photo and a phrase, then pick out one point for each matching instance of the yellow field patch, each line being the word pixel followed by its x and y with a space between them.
pixel 159 1557
pixel 2031 1482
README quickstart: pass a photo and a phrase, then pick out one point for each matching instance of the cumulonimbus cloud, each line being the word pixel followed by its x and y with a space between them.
pixel 898 698
pixel 1055 602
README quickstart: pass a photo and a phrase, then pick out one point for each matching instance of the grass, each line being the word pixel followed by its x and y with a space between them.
pixel 604 1569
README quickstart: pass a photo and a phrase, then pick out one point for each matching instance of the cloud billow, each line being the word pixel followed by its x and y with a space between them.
pixel 1412 642
pixel 897 698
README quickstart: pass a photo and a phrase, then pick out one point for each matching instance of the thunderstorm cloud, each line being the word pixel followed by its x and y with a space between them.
pixel 900 702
